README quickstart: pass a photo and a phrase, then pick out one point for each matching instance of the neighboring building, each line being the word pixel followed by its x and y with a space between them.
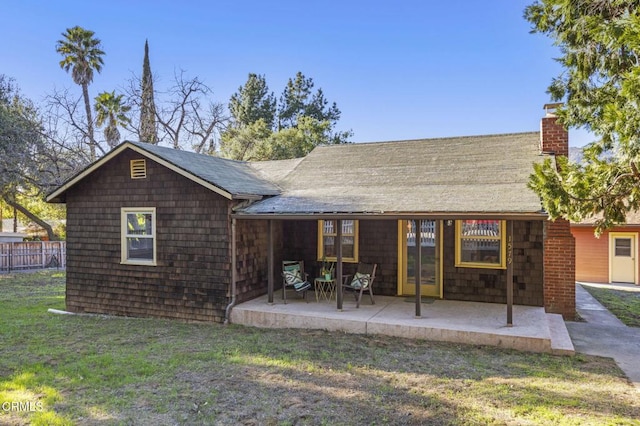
pixel 610 258
pixel 12 237
pixel 153 231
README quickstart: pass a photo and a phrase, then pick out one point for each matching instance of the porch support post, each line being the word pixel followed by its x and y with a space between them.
pixel 270 266
pixel 339 264
pixel 509 273
pixel 418 270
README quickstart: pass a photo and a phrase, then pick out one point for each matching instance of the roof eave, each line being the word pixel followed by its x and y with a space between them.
pixel 394 215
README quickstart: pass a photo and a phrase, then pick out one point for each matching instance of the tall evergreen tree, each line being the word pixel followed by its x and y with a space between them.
pixel 264 130
pixel 148 126
pixel 599 85
pixel 253 102
pixel 82 54
pixel 298 100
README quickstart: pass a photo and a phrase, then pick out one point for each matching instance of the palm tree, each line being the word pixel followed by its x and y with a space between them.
pixel 109 107
pixel 82 54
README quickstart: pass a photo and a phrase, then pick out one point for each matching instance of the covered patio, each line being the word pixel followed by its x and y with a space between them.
pixel 473 323
pixel 448 219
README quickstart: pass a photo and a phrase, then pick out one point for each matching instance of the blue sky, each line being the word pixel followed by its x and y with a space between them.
pixel 397 70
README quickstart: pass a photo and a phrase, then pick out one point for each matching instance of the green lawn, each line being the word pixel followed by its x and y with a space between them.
pixel 93 370
pixel 623 304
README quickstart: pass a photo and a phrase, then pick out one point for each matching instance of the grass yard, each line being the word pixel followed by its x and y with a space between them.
pixel 623 304
pixel 92 370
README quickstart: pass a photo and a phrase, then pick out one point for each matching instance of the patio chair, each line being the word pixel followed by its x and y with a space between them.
pixel 362 281
pixel 293 275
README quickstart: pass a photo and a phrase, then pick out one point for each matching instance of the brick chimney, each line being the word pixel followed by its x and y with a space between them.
pixel 559 244
pixel 554 139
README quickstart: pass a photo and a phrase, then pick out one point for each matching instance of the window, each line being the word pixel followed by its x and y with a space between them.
pixel 138 235
pixel 480 244
pixel 623 247
pixel 327 232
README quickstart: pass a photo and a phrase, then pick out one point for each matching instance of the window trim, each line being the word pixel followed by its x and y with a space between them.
pixel 356 237
pixel 124 235
pixel 459 263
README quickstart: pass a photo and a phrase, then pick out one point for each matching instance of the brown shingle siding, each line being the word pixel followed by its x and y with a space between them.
pixel 192 274
pixel 489 285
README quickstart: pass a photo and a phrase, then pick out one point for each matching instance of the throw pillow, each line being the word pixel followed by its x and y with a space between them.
pixel 360 280
pixel 292 277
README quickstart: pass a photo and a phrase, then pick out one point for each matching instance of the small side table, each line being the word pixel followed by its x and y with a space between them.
pixel 325 289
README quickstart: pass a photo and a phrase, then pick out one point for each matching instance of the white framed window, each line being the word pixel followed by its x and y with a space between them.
pixel 138 235
pixel 327 238
pixel 481 244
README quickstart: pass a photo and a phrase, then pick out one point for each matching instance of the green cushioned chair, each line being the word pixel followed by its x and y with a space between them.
pixel 294 277
pixel 361 281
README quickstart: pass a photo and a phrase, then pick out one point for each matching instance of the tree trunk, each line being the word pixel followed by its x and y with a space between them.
pixel 87 107
pixel 52 236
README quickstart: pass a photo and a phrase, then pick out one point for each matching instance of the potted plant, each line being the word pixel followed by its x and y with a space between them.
pixel 326 270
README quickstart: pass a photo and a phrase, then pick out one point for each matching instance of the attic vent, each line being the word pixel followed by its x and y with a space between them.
pixel 138 169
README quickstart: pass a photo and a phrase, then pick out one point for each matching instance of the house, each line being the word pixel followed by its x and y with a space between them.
pixel 12 237
pixel 153 231
pixel 610 258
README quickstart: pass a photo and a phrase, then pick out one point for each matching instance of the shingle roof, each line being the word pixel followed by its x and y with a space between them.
pixel 484 174
pixel 632 218
pixel 235 177
pixel 275 170
pixel 474 174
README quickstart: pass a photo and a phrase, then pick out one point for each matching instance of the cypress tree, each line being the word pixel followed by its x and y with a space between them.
pixel 148 131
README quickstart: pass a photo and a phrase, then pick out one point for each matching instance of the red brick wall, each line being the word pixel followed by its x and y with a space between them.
pixel 559 244
pixel 559 269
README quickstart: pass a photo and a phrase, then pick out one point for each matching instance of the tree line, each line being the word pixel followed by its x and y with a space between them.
pixel 599 86
pixel 42 145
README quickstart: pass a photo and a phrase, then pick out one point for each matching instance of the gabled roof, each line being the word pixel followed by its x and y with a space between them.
pixel 229 178
pixel 473 175
pixel 477 174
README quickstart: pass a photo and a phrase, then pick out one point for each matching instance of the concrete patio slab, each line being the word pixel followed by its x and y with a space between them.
pixel 533 330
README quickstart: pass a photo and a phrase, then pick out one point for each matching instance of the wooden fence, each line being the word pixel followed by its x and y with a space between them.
pixel 33 255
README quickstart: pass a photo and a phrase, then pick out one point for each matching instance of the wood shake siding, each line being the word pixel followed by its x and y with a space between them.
pixel 490 285
pixel 252 256
pixel 192 274
pixel 379 244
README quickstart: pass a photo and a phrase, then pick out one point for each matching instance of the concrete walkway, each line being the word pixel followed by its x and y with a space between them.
pixel 603 334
